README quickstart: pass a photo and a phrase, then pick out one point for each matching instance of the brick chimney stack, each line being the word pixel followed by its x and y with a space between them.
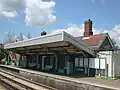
pixel 88 28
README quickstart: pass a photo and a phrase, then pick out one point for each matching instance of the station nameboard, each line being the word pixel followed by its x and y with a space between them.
pixel 71 50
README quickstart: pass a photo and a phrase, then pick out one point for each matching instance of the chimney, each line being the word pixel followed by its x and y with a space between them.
pixel 88 28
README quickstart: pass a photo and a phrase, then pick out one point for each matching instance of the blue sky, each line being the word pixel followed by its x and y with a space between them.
pixel 104 14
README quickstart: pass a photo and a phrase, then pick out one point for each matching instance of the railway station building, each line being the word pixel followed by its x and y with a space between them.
pixel 62 53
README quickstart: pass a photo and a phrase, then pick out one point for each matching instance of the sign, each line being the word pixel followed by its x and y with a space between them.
pixel 71 50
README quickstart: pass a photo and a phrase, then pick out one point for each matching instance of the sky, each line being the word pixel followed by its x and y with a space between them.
pixel 34 16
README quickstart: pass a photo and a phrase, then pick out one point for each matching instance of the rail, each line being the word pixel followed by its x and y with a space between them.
pixel 16 79
pixel 6 85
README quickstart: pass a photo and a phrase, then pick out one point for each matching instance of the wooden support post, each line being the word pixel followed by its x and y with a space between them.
pixel 43 57
pixel 56 60
pixel 99 68
pixel 70 64
pixel 106 68
pixel 37 59
pixel 27 61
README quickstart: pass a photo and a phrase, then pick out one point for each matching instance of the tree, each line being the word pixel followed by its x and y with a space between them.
pixel 113 41
pixel 21 37
pixel 10 38
pixel 29 36
pixel 116 47
pixel 2 54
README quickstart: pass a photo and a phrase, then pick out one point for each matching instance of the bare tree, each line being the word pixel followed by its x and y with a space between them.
pixel 10 37
pixel 116 47
pixel 2 55
pixel 21 37
pixel 29 36
pixel 113 41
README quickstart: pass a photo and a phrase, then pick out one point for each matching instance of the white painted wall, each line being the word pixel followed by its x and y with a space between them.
pixel 93 62
pixel 105 57
pixel 116 64
pixel 108 56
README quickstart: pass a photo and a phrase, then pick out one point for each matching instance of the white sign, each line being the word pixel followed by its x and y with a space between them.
pixel 97 63
pixel 102 63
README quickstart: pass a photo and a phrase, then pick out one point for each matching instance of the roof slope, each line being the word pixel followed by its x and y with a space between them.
pixel 94 40
pixel 97 40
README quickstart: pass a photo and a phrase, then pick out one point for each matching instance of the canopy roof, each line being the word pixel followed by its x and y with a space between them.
pixel 51 42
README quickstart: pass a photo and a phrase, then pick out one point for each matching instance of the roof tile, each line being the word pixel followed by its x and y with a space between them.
pixel 94 40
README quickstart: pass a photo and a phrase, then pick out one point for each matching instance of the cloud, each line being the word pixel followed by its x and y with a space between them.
pixel 40 13
pixel 10 8
pixel 78 30
pixel 37 13
pixel 114 33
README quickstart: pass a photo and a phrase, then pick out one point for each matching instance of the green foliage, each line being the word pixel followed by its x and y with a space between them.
pixel 116 46
pixel 2 54
pixel 114 42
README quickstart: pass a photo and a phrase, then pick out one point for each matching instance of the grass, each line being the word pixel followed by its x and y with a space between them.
pixel 102 77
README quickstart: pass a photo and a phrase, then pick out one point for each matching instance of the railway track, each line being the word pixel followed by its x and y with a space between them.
pixel 8 85
pixel 15 82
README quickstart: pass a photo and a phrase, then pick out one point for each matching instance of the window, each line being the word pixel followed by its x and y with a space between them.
pixel 66 60
pixel 81 62
pixel 76 62
pixel 85 62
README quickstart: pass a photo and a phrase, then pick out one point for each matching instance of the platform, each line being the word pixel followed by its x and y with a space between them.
pixel 111 84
